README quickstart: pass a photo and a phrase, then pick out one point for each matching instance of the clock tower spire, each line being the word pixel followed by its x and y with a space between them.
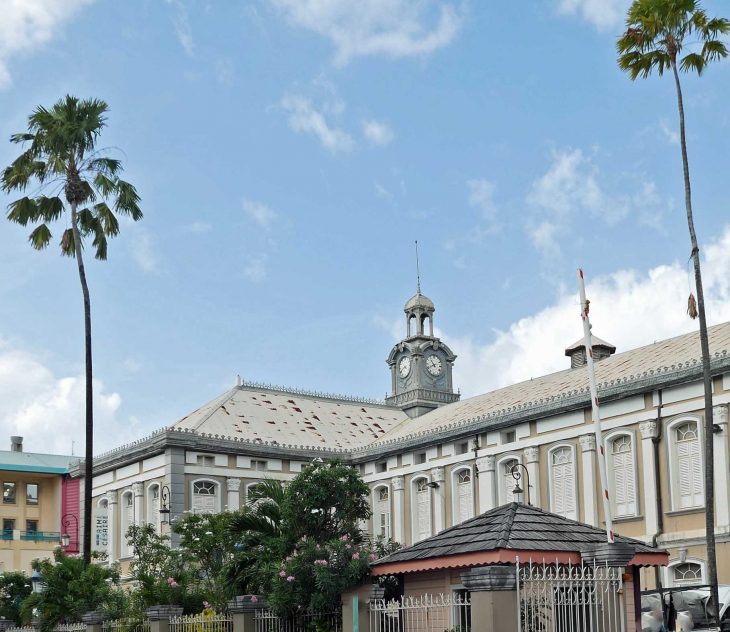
pixel 420 364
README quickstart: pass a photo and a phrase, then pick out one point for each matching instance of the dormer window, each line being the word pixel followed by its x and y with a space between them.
pixel 462 448
pixel 381 467
pixel 205 461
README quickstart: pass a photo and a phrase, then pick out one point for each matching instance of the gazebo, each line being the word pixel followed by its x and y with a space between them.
pixel 514 564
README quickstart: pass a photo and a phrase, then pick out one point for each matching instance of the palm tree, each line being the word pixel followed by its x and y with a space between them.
pixel 60 157
pixel 657 32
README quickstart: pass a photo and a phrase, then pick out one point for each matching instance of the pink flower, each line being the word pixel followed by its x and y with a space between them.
pixel 373 556
pixel 348 546
pixel 318 547
pixel 295 553
pixel 355 556
pixel 174 584
pixel 290 578
pixel 282 574
pixel 304 538
pixel 344 538
pixel 254 598
pixel 170 580
pixel 206 604
pixel 288 559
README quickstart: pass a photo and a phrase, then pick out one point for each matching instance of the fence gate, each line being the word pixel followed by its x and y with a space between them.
pixel 427 613
pixel 567 598
pixel 268 621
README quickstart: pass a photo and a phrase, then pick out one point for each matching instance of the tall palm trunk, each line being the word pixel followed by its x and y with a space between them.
pixel 706 378
pixel 89 453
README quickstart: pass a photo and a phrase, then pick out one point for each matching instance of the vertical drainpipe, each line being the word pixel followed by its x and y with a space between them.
pixel 659 508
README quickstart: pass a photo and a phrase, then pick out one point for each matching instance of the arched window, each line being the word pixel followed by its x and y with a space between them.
pixel 420 508
pixel 127 521
pixel 563 481
pixel 381 511
pixel 690 572
pixel 686 463
pixel 153 506
pixel 462 494
pixel 506 482
pixel 205 496
pixel 412 326
pixel 426 325
pixel 622 473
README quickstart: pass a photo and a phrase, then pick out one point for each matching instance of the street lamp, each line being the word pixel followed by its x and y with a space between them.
pixel 66 523
pixel 517 475
pixel 35 579
pixel 165 504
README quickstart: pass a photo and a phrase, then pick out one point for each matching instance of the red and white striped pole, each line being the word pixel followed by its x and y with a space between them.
pixel 594 405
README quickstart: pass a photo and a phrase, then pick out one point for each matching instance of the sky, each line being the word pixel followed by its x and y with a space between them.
pixel 288 154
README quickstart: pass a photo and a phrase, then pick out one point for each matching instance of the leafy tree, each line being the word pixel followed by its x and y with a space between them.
pixel 657 32
pixel 61 158
pixel 72 588
pixel 15 587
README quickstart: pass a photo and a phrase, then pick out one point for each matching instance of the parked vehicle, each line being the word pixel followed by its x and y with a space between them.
pixel 683 609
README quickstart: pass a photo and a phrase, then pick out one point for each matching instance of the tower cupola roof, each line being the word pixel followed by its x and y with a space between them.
pixel 419 300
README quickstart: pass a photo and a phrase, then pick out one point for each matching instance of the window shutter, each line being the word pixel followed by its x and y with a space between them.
pixel 697 482
pixel 424 515
pixel 465 501
pixel 689 467
pixel 624 484
pixel 569 496
pixel 558 490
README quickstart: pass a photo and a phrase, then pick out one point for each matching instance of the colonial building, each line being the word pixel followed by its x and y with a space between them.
pixel 40 502
pixel 433 460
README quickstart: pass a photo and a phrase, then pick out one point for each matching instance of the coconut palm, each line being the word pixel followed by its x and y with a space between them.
pixel 677 35
pixel 71 177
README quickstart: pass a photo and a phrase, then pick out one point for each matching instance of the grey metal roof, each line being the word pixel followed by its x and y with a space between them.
pixel 419 300
pixel 34 462
pixel 512 526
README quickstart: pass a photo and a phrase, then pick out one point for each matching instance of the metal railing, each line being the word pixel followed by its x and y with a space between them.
pixel 126 625
pixel 70 627
pixel 41 536
pixel 27 628
pixel 426 613
pixel 568 598
pixel 7 534
pixel 201 623
pixel 268 621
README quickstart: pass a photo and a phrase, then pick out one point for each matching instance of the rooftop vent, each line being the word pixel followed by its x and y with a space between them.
pixel 16 444
pixel 577 351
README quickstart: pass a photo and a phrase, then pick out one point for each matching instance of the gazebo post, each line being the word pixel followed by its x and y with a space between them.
pixel 493 597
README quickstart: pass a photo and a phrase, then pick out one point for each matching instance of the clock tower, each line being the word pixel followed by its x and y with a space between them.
pixel 420 364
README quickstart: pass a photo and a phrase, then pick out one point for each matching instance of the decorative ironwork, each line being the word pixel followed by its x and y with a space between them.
pixel 517 475
pixel 201 623
pixel 428 613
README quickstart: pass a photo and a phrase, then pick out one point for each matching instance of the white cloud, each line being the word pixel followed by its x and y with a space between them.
pixel 199 227
pixel 603 14
pixel 304 117
pixel 224 72
pixel 143 252
pixel 259 213
pixel 481 196
pixel 671 135
pixel 183 29
pixel 360 28
pixel 28 24
pixel 624 308
pixel 255 270
pixel 49 411
pixel 377 133
pixel 542 236
pixel 131 365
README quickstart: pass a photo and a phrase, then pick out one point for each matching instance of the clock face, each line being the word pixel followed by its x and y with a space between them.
pixel 404 366
pixel 434 365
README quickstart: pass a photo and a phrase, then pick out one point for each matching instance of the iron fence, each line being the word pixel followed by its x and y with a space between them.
pixel 201 623
pixel 268 621
pixel 569 598
pixel 70 627
pixel 126 625
pixel 427 613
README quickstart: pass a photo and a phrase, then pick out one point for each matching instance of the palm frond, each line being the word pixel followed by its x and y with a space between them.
pixel 107 219
pixel 103 184
pixel 127 201
pixel 68 243
pixel 714 50
pixel 49 208
pixel 40 237
pixel 108 166
pixel 23 211
pixel 693 61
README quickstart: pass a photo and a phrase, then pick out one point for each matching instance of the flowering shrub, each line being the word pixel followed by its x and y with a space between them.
pixel 315 574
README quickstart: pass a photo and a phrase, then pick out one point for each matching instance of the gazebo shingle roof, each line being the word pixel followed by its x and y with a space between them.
pixel 514 526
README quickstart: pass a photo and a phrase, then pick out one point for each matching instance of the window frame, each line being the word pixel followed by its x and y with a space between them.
pixel 608 440
pixel 415 526
pixel 13 520
pixel 217 495
pixel 377 513
pixel 501 479
pixel 150 506
pixel 673 563
pixel 15 493
pixel 575 515
pixel 37 495
pixel 455 471
pixel 673 465
pixel 28 521
pixel 126 549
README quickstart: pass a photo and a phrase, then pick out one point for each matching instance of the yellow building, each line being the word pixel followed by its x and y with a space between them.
pixel 37 493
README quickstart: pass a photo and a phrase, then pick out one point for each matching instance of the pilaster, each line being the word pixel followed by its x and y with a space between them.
pixel 138 491
pixel 399 508
pixel 112 497
pixel 233 486
pixel 175 481
pixel 439 500
pixel 487 485
pixel 648 430
pixel 722 463
pixel 532 463
pixel 590 502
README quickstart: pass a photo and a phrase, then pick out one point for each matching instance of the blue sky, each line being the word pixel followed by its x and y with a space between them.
pixel 289 152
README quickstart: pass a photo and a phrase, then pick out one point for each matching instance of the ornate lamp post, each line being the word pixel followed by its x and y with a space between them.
pixel 165 505
pixel 517 475
pixel 66 523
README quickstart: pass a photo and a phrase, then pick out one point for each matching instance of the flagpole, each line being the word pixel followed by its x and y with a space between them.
pixel 594 406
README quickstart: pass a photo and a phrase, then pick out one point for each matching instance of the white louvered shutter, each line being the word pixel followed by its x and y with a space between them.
pixel 424 513
pixel 466 502
pixel 689 467
pixel 563 483
pixel 509 482
pixel 384 519
pixel 624 477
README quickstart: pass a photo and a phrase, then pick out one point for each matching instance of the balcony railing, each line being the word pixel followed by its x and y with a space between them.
pixel 41 536
pixel 6 534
